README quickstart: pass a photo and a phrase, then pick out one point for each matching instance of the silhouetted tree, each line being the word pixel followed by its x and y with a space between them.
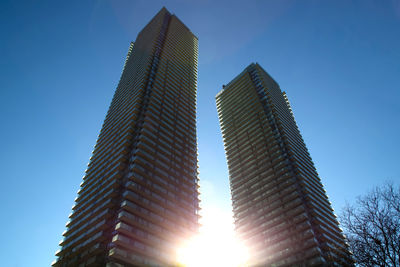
pixel 372 227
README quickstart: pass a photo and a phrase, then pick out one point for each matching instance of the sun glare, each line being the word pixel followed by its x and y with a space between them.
pixel 216 244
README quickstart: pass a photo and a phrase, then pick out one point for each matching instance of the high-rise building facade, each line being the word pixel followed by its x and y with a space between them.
pixel 139 197
pixel 281 211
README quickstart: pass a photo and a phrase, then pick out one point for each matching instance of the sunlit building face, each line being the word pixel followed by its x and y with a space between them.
pixel 138 200
pixel 281 211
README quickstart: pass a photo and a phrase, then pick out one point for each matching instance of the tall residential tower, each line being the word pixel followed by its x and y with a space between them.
pixel 139 197
pixel 280 208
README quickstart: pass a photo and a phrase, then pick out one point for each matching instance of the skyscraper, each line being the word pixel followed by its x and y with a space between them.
pixel 281 210
pixel 139 197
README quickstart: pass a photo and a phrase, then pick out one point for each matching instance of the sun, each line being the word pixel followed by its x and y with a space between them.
pixel 216 244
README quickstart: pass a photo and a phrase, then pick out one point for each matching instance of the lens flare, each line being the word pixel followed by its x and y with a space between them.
pixel 216 244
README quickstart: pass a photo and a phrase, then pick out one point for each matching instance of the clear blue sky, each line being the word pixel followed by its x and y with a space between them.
pixel 338 61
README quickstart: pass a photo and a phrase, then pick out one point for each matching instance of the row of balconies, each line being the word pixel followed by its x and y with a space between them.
pixel 233 128
pixel 155 182
pixel 175 130
pixel 166 134
pixel 146 225
pixel 178 89
pixel 266 222
pixel 102 176
pixel 170 102
pixel 288 252
pixel 171 70
pixel 164 221
pixel 113 150
pixel 71 234
pixel 89 192
pixel 78 243
pixel 249 179
pixel 141 235
pixel 187 145
pixel 169 176
pixel 339 254
pixel 156 229
pixel 265 147
pixel 163 210
pixel 172 154
pixel 178 49
pixel 109 132
pixel 99 169
pixel 290 210
pixel 243 191
pixel 138 176
pixel 239 115
pixel 313 185
pixel 86 215
pixel 274 202
pixel 228 98
pixel 154 151
pixel 96 184
pixel 134 259
pixel 164 200
pixel 91 204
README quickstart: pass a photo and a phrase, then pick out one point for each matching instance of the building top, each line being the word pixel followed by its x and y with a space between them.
pixel 249 68
pixel 163 11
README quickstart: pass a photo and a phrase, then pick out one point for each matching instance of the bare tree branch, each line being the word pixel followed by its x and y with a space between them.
pixel 372 227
